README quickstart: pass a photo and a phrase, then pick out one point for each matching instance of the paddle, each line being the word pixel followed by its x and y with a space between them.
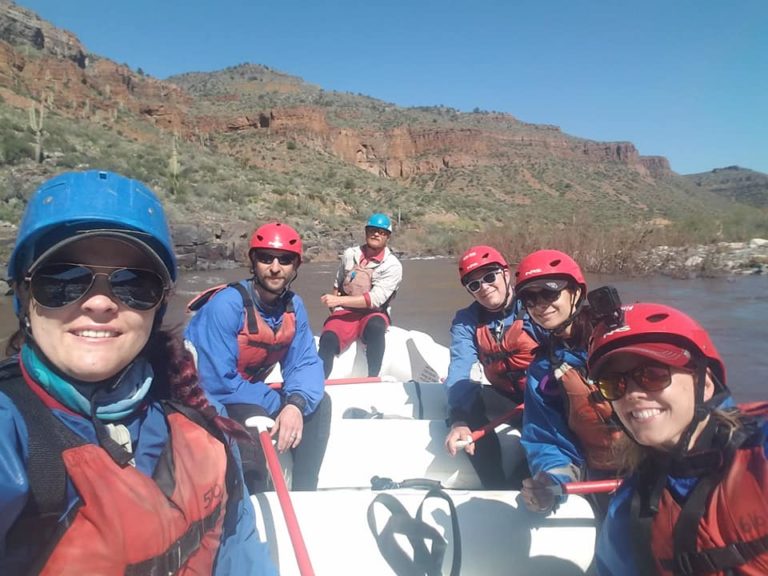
pixel 477 434
pixel 340 381
pixel 588 487
pixel 262 424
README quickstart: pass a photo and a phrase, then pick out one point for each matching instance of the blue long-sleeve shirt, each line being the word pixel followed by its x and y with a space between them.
pixel 549 443
pixel 240 552
pixel 461 389
pixel 213 332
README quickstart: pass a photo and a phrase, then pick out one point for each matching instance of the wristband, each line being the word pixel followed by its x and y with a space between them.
pixel 297 400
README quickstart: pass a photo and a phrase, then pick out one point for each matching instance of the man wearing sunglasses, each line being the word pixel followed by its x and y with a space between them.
pixel 497 333
pixel 241 331
pixel 366 282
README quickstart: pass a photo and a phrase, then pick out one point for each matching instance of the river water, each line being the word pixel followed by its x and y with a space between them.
pixel 734 309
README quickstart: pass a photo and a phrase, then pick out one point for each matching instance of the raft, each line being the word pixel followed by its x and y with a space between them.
pixel 385 445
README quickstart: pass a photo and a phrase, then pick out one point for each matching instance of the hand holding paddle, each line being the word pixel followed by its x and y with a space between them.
pixel 471 438
pixel 263 424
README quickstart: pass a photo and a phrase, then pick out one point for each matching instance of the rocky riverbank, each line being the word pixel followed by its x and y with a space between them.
pixel 721 259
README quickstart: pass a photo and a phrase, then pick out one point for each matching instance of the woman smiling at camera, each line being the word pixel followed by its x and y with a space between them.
pixel 567 432
pixel 697 498
pixel 111 459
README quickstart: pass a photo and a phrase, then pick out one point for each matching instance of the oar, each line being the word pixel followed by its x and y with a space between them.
pixel 341 381
pixel 477 434
pixel 262 424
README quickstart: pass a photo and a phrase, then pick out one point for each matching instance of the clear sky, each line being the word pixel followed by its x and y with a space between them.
pixel 685 79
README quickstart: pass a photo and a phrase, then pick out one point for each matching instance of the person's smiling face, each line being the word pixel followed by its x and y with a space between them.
pixel 659 418
pixel 491 295
pixel 96 336
pixel 549 309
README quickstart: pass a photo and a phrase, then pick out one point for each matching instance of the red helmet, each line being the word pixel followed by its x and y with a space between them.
pixel 477 257
pixel 277 236
pixel 658 332
pixel 546 264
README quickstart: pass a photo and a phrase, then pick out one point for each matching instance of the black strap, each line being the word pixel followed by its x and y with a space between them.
pixel 714 560
pixel 48 437
pixel 379 483
pixel 250 310
pixel 171 561
pixel 427 560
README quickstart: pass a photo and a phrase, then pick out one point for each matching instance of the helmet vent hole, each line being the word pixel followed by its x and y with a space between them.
pixel 555 263
pixel 657 317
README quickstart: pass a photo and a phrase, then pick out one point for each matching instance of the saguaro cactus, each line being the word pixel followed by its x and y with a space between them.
pixel 174 167
pixel 36 122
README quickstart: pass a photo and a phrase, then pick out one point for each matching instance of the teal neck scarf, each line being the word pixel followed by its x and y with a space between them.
pixel 112 402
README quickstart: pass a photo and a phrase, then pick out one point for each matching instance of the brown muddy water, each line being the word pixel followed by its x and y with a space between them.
pixel 733 309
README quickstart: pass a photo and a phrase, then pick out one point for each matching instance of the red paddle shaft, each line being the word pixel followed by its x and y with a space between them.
pixel 591 486
pixel 338 381
pixel 273 463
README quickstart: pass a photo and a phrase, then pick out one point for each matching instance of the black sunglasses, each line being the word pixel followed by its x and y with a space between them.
pixel 532 297
pixel 58 285
pixel 282 259
pixel 650 377
pixel 488 278
pixel 371 230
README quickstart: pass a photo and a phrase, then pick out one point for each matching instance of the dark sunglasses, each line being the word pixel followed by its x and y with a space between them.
pixel 530 297
pixel 370 231
pixel 58 285
pixel 650 377
pixel 282 259
pixel 488 278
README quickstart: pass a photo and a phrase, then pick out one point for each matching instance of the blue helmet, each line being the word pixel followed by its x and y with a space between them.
pixel 379 220
pixel 75 205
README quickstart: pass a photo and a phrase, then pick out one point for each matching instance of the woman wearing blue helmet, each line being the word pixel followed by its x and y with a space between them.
pixel 111 459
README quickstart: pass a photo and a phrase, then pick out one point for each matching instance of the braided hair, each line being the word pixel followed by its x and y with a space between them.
pixel 176 379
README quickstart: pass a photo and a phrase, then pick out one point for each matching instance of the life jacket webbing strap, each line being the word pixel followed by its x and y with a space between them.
pixel 253 326
pixel 687 559
pixel 717 559
pixel 427 561
pixel 170 561
pixel 48 438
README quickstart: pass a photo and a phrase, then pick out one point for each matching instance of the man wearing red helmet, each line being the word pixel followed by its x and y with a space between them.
pixel 366 282
pixel 497 333
pixel 696 499
pixel 241 331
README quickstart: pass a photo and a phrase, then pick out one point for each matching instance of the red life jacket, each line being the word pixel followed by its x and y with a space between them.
pixel 505 359
pixel 125 522
pixel 260 347
pixel 589 417
pixel 732 533
pixel 128 525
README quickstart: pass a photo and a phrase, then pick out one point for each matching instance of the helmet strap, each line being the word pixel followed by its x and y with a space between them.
pixel 507 302
pixel 701 409
pixel 575 309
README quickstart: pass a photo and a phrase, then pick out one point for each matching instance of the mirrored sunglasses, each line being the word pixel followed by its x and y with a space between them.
pixel 532 297
pixel 488 278
pixel 649 377
pixel 282 259
pixel 58 285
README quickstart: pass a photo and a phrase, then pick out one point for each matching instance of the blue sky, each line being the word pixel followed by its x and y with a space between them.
pixel 685 79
